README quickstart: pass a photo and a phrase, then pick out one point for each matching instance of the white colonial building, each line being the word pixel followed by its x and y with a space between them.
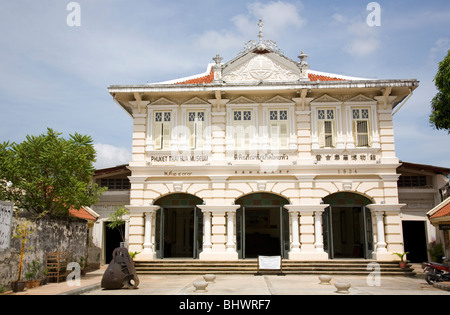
pixel 263 156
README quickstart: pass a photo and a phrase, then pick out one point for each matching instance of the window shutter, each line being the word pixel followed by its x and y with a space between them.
pixel 199 134
pixel 191 136
pixel 284 136
pixel 333 132
pixel 321 133
pixel 157 135
pixel 166 135
pixel 274 134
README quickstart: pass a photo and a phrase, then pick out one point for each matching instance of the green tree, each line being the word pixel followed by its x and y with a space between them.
pixel 48 174
pixel 440 115
pixel 116 220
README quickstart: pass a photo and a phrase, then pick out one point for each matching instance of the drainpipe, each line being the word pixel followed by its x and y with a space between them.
pixel 403 103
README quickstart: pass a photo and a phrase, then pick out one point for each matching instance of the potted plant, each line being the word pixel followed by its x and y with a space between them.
pixel 133 255
pixel 22 231
pixel 32 274
pixel 402 263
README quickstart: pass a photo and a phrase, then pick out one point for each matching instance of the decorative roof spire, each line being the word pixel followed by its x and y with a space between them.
pixel 261 35
pixel 261 44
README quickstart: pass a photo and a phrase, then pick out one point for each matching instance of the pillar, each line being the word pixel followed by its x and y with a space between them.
pixel 206 231
pixel 142 232
pixel 381 244
pixel 318 245
pixel 295 245
pixel 222 225
pixel 306 232
pixel 388 231
pixel 230 232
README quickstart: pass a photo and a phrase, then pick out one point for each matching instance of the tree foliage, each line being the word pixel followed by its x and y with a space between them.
pixel 440 115
pixel 48 174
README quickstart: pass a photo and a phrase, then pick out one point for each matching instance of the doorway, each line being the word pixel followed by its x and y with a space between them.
pixel 113 238
pixel 414 241
pixel 347 226
pixel 262 226
pixel 179 227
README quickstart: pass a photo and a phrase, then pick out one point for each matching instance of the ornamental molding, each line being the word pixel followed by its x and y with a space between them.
pixel 242 100
pixel 196 101
pixel 261 68
pixel 325 99
pixel 163 101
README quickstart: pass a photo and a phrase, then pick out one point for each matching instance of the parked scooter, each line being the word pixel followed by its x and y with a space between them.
pixel 436 272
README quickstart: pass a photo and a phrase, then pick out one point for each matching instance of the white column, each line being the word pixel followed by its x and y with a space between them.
pixel 295 245
pixel 207 231
pixel 217 233
pixel 230 231
pixel 318 231
pixel 141 230
pixel 381 244
pixel 148 246
pixel 306 232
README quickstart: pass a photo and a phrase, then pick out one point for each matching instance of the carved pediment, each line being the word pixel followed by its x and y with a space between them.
pixel 241 100
pixel 279 100
pixel 196 101
pixel 360 99
pixel 326 99
pixel 261 67
pixel 162 101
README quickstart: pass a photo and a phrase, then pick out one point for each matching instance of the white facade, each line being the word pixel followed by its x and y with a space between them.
pixel 264 125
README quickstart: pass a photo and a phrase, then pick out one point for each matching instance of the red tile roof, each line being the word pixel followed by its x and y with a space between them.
pixel 443 212
pixel 200 80
pixel 317 77
pixel 81 214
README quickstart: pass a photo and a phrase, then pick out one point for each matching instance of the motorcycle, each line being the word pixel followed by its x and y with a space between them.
pixel 436 272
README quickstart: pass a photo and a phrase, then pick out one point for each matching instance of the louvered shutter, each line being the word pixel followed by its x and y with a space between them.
pixel 321 133
pixel 166 135
pixel 157 134
pixel 191 127
pixel 284 135
pixel 199 134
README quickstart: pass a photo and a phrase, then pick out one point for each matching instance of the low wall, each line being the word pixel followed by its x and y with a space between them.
pixel 50 235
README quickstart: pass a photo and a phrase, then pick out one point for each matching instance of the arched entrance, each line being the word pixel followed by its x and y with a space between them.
pixel 347 226
pixel 178 226
pixel 262 226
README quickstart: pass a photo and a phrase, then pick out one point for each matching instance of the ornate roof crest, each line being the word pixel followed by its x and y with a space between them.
pixel 260 45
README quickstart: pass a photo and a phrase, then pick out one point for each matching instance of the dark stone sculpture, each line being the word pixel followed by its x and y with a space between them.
pixel 120 272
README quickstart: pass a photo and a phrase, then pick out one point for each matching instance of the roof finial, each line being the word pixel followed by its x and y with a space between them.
pixel 260 24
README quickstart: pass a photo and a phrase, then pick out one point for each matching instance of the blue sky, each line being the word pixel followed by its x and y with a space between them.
pixel 54 75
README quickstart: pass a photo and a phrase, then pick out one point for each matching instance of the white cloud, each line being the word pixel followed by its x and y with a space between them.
pixel 362 39
pixel 277 16
pixel 440 49
pixel 110 156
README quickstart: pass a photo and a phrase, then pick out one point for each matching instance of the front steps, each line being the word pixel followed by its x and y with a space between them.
pixel 249 266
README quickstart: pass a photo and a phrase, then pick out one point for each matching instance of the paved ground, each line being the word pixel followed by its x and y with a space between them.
pixel 229 285
pixel 275 285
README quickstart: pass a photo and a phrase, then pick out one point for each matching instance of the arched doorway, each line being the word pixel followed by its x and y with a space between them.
pixel 262 226
pixel 178 226
pixel 347 226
